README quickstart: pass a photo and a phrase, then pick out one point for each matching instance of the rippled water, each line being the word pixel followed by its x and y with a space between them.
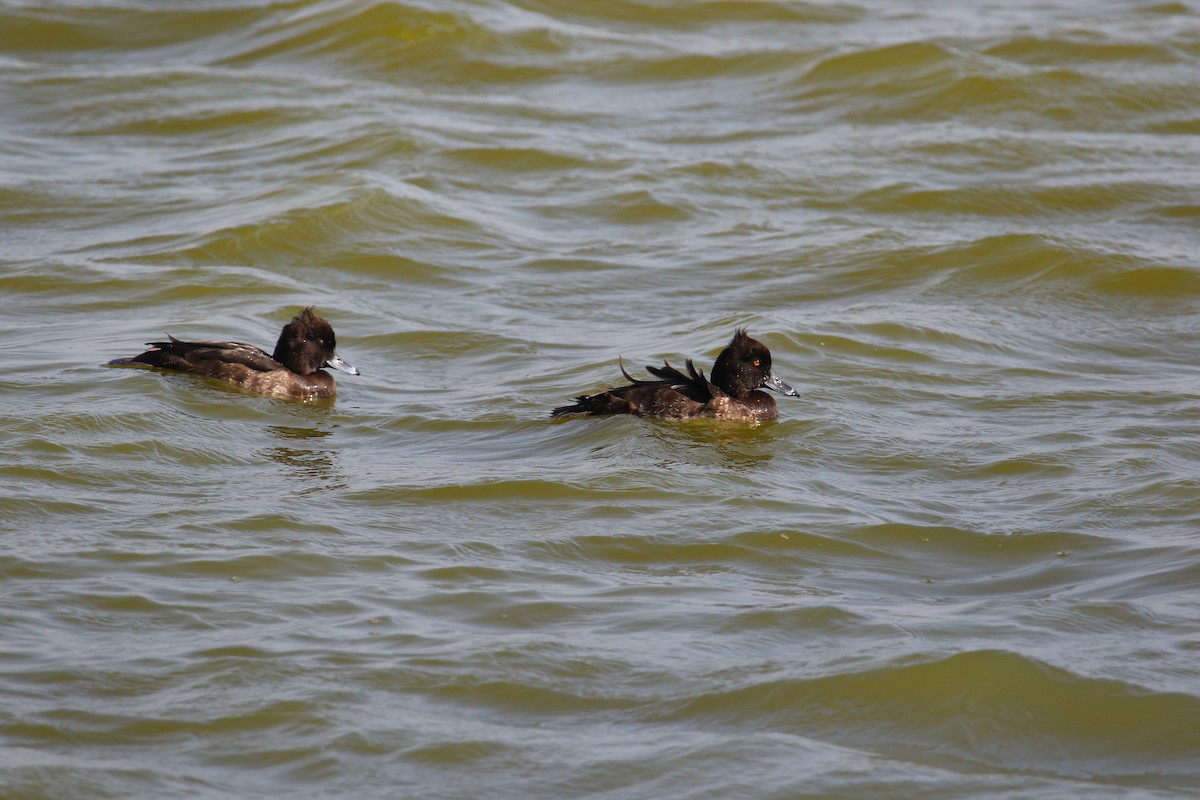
pixel 964 564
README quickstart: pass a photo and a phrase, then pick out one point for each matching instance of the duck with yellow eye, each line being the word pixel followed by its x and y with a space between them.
pixel 731 391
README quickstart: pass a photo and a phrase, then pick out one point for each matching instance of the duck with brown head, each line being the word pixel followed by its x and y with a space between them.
pixel 730 392
pixel 295 370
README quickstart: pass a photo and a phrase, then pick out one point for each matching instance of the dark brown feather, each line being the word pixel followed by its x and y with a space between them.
pixel 731 391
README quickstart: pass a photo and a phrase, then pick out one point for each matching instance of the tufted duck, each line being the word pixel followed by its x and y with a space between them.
pixel 731 392
pixel 294 370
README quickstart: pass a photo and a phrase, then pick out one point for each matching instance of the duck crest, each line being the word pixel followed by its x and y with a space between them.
pixel 304 342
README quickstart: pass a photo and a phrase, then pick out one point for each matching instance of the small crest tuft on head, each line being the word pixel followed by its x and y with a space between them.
pixel 740 335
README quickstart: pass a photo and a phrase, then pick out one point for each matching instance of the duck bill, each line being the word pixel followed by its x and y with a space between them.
pixel 336 363
pixel 780 386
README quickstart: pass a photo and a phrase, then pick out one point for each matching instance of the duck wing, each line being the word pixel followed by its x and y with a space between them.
pixel 693 384
pixel 190 355
pixel 673 395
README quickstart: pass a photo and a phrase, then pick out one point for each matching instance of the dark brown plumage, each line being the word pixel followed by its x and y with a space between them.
pixel 295 369
pixel 731 391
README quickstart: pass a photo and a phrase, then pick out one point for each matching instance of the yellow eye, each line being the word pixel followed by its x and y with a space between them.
pixel 756 363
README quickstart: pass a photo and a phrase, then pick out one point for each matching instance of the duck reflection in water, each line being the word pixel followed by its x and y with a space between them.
pixel 311 464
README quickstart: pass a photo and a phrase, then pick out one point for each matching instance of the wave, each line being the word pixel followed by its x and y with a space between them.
pixel 935 80
pixel 986 707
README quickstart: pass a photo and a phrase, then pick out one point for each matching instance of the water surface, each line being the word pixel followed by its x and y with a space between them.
pixel 964 564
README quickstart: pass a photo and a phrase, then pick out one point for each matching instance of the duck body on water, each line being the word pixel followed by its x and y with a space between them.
pixel 294 370
pixel 732 390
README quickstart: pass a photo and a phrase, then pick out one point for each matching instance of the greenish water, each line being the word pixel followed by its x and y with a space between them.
pixel 963 564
